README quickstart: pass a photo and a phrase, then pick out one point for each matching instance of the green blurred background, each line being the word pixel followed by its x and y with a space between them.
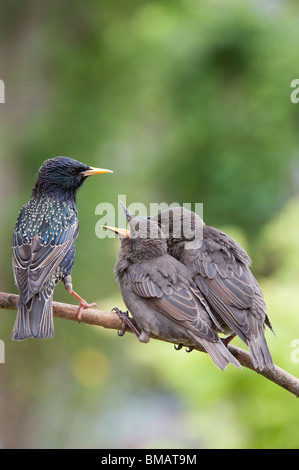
pixel 187 101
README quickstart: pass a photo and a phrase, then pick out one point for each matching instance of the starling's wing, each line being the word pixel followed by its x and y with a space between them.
pixel 166 289
pixel 35 261
pixel 225 280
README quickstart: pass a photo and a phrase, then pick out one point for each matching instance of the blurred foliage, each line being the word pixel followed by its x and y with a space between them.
pixel 186 101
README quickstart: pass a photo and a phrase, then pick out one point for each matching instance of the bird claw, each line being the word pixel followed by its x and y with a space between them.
pixel 177 347
pixel 124 316
pixel 82 305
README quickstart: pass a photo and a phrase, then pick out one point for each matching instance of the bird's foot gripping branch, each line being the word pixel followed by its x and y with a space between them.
pixel 126 322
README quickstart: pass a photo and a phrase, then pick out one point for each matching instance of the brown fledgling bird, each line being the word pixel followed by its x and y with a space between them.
pixel 221 270
pixel 159 292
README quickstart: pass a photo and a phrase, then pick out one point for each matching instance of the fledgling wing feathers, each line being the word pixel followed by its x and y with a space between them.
pixel 167 288
pixel 222 273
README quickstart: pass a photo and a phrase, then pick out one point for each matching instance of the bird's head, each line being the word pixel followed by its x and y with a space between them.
pixel 180 224
pixel 62 177
pixel 144 239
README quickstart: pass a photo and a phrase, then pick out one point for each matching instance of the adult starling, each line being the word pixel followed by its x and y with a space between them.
pixel 221 270
pixel 159 292
pixel 44 244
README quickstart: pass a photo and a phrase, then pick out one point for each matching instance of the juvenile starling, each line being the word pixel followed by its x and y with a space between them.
pixel 44 244
pixel 159 292
pixel 221 270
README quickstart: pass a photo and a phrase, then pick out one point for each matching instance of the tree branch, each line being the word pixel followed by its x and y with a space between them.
pixel 111 320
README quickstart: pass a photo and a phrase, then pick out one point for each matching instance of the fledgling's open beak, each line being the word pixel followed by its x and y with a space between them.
pixel 122 232
pixel 95 171
pixel 129 216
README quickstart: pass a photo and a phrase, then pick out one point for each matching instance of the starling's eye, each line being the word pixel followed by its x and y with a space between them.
pixel 74 171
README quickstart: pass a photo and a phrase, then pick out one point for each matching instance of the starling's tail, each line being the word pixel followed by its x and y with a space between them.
pixel 259 351
pixel 219 353
pixel 34 319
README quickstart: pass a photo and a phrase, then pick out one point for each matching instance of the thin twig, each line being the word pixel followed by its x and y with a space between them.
pixel 111 320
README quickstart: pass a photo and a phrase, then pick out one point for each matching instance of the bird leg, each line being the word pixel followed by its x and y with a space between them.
pixel 228 339
pixel 82 304
pixel 67 281
pixel 124 316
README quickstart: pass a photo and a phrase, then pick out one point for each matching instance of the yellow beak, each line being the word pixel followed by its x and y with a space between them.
pixel 121 231
pixel 95 171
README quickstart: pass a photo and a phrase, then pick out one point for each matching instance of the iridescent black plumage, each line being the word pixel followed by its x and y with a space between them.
pixel 44 244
